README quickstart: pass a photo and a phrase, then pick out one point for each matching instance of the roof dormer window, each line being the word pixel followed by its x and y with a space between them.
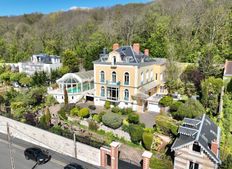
pixel 114 60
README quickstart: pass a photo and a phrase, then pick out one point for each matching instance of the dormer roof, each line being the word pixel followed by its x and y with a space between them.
pixel 201 130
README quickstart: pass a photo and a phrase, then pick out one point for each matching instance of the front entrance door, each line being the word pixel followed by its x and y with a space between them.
pixel 112 93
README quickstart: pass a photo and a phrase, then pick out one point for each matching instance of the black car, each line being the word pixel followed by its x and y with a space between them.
pixel 37 155
pixel 73 166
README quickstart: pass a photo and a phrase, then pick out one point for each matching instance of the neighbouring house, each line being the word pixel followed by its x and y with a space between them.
pixel 227 71
pixel 39 63
pixel 127 77
pixel 198 144
pixel 78 85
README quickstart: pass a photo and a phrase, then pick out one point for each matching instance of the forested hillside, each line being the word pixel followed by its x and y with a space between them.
pixel 187 31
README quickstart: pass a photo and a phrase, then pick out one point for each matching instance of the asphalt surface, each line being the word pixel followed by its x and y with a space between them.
pixel 58 161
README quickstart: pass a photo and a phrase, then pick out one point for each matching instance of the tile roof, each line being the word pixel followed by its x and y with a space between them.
pixel 228 68
pixel 201 130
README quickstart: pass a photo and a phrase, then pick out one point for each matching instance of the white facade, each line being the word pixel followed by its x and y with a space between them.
pixel 40 63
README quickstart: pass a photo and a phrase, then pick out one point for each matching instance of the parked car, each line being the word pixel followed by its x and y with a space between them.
pixel 37 155
pixel 73 166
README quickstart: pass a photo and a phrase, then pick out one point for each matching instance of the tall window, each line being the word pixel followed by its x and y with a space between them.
pixel 114 77
pixel 103 91
pixel 193 165
pixel 156 76
pixel 126 94
pixel 161 77
pixel 126 78
pixel 114 60
pixel 102 76
pixel 151 74
pixel 147 75
pixel 142 78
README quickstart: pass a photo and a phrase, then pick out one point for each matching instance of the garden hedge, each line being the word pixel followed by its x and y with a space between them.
pixel 112 120
pixel 83 113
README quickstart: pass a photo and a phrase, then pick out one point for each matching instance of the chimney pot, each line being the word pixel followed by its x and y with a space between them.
pixel 214 147
pixel 115 46
pixel 136 47
pixel 146 52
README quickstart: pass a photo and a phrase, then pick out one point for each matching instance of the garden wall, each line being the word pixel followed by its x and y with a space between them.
pixel 51 141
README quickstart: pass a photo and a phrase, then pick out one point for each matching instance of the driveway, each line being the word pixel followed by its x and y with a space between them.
pixel 148 118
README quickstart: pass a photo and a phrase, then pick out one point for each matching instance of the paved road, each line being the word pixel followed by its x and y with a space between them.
pixel 58 161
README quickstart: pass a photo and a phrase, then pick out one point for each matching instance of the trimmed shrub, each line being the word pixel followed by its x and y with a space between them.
pixel 112 120
pixel 133 118
pixel 107 105
pixel 126 111
pixel 115 109
pixel 100 115
pixel 191 109
pixel 166 124
pixel 175 105
pixel 83 113
pixel 136 132
pixel 93 125
pixel 96 117
pixel 125 126
pixel 92 107
pixel 147 140
pixel 74 111
pixel 166 101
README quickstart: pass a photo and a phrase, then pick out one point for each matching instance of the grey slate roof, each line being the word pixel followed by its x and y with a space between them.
pixel 44 58
pixel 200 130
pixel 129 56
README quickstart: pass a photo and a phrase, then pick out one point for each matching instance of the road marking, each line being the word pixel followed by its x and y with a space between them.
pixel 23 148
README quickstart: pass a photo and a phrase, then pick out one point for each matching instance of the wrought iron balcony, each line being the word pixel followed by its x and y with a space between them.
pixel 108 82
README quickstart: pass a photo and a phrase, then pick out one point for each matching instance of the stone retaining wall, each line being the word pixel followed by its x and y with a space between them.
pixel 51 141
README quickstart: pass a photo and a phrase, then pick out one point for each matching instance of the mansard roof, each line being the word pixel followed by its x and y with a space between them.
pixel 129 56
pixel 201 130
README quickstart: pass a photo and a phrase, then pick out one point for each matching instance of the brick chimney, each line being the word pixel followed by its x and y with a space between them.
pixel 136 47
pixel 214 147
pixel 146 52
pixel 115 46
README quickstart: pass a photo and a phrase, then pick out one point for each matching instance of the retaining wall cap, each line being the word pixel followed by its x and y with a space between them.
pixel 115 144
pixel 147 154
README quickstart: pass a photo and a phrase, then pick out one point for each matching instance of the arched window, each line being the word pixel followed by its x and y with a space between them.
pixel 126 78
pixel 142 78
pixel 102 76
pixel 151 74
pixel 103 91
pixel 114 60
pixel 114 77
pixel 126 94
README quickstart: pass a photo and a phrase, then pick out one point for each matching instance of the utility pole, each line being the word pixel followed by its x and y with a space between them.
pixel 10 148
pixel 75 145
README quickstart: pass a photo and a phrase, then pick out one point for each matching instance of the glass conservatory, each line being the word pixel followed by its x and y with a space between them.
pixel 77 82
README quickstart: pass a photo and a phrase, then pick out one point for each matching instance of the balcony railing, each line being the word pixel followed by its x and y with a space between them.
pixel 108 82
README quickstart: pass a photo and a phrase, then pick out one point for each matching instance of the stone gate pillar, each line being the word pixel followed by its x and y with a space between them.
pixel 114 154
pixel 146 159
